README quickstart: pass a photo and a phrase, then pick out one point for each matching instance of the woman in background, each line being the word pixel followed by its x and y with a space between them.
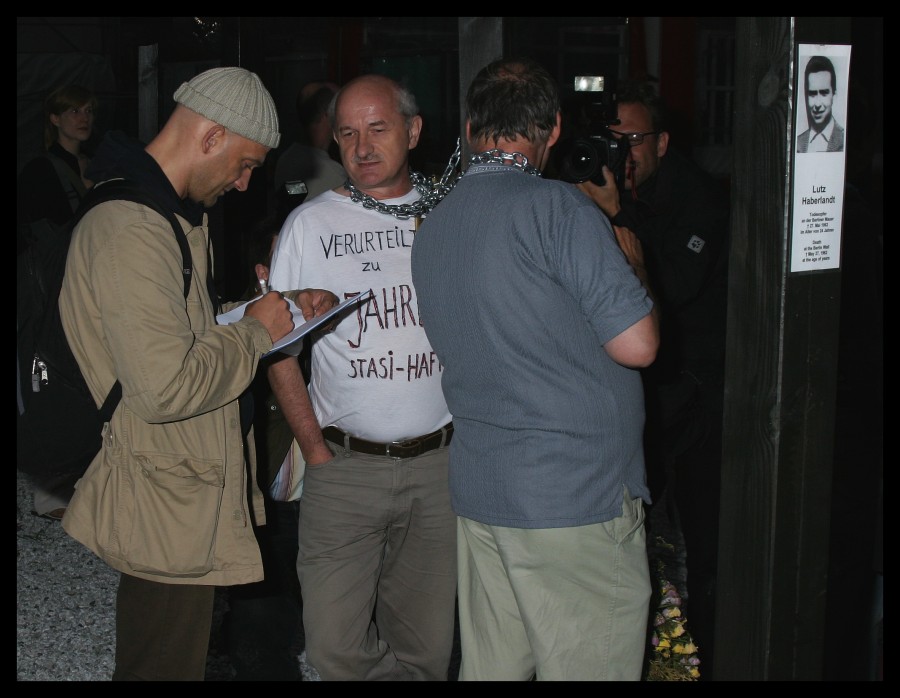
pixel 48 190
pixel 52 184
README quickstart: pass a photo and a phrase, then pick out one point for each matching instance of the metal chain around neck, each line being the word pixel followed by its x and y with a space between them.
pixel 430 192
pixel 497 156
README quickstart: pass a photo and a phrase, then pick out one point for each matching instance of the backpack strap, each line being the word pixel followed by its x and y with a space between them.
pixel 123 189
pixel 119 190
pixel 111 402
pixel 72 183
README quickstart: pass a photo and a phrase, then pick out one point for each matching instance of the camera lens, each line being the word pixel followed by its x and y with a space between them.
pixel 581 159
pixel 584 161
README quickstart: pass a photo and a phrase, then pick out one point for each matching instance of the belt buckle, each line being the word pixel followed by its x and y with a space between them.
pixel 410 443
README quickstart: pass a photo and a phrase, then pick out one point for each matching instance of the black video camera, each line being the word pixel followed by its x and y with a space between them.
pixel 587 144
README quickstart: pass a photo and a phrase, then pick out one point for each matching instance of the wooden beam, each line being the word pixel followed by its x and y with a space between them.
pixel 780 383
pixel 148 92
pixel 480 42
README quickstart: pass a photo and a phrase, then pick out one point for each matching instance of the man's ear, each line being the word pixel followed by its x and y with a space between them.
pixel 212 138
pixel 554 134
pixel 662 143
pixel 415 128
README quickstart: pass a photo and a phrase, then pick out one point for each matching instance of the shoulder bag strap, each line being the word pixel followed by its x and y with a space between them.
pixel 72 183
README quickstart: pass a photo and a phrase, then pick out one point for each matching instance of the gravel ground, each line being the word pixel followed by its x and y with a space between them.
pixel 65 601
pixel 65 606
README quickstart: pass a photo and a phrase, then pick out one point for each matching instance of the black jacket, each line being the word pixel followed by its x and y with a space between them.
pixel 681 217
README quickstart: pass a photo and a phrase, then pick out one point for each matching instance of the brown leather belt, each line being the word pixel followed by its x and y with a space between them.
pixel 410 448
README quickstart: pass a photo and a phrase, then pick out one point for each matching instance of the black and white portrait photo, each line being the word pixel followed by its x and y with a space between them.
pixel 824 134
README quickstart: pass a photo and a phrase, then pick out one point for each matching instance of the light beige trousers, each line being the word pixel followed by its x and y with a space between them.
pixel 554 604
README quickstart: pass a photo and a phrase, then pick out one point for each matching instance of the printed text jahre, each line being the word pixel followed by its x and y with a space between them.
pixel 390 307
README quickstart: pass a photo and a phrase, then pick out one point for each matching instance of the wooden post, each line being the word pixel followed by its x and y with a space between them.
pixel 480 42
pixel 780 382
pixel 148 92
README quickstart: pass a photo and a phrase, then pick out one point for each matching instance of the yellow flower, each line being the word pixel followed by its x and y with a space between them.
pixel 694 672
pixel 677 631
pixel 664 642
pixel 681 648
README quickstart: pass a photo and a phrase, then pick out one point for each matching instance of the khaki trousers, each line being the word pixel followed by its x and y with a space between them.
pixel 554 604
pixel 377 567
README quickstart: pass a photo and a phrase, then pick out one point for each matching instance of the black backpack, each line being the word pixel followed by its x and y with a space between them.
pixel 58 426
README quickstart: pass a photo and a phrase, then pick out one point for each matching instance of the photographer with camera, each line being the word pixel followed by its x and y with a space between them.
pixel 679 214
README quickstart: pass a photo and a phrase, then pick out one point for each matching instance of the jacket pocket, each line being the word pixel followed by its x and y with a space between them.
pixel 176 511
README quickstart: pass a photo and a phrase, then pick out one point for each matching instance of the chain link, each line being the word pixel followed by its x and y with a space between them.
pixel 516 160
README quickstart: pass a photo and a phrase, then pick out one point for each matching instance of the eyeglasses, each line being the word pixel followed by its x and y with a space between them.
pixel 635 138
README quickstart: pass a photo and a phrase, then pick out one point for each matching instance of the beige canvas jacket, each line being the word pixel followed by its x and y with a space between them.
pixel 166 497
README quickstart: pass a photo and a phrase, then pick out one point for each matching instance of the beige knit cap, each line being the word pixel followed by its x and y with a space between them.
pixel 236 99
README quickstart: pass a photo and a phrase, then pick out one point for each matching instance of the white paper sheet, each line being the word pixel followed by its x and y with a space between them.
pixel 290 344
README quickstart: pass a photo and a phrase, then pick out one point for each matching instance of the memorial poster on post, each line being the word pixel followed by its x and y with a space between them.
pixel 819 155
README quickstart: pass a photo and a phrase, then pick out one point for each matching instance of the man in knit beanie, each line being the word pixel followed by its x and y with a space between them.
pixel 232 117
pixel 170 499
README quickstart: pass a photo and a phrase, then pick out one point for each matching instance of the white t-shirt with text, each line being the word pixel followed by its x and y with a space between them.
pixel 375 376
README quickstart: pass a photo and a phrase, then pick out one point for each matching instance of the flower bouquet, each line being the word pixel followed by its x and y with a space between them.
pixel 673 652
